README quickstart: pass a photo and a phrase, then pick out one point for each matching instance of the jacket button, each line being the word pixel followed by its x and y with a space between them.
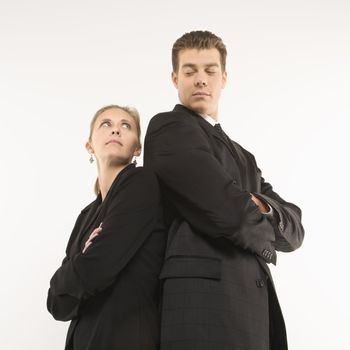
pixel 281 226
pixel 260 283
pixel 267 254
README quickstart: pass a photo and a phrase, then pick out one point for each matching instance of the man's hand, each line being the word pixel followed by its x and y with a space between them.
pixel 263 207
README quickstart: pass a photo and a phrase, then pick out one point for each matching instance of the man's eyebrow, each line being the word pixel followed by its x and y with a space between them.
pixel 189 65
pixel 209 65
pixel 193 66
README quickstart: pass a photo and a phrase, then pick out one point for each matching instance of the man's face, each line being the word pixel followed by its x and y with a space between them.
pixel 199 80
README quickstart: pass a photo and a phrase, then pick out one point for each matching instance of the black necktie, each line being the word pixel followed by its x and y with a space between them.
pixel 218 128
pixel 224 136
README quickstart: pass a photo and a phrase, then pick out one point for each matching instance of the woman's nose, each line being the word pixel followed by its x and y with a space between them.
pixel 116 132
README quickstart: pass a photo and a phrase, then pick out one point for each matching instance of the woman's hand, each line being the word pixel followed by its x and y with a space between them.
pixel 263 207
pixel 92 236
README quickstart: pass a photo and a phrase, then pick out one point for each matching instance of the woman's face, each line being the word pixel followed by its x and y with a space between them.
pixel 114 138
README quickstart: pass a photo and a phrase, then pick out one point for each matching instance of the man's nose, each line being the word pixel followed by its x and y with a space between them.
pixel 201 80
pixel 201 83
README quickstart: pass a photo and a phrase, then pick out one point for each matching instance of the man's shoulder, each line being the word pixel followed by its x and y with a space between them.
pixel 180 114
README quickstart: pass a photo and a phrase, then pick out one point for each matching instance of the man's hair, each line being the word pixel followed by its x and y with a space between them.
pixel 199 40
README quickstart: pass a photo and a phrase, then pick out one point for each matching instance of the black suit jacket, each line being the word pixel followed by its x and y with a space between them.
pixel 111 292
pixel 216 279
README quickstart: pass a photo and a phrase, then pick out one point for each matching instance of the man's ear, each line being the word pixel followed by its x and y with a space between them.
pixel 224 79
pixel 174 78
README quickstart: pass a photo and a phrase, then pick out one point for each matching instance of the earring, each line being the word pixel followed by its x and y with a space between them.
pixel 134 161
pixel 91 160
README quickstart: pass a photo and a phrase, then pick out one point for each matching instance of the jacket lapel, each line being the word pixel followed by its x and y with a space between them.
pixel 212 133
pixel 95 214
pixel 208 128
pixel 90 217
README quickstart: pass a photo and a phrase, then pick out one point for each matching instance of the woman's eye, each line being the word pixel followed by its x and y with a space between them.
pixel 106 124
pixel 126 126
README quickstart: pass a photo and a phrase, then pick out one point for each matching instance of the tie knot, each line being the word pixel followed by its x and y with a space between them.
pixel 218 128
pixel 222 133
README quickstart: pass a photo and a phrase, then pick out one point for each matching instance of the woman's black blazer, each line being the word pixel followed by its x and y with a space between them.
pixel 111 292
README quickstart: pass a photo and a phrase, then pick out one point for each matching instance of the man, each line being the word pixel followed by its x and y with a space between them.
pixel 225 221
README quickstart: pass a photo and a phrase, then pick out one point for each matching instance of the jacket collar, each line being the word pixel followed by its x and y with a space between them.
pixel 95 211
pixel 204 124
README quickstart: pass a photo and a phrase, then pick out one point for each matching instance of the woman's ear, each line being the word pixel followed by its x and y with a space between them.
pixel 89 148
pixel 137 151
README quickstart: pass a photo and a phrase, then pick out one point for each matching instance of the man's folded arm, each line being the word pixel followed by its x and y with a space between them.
pixel 286 220
pixel 200 189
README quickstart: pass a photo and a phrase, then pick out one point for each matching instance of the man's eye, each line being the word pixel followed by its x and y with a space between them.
pixel 188 73
pixel 211 72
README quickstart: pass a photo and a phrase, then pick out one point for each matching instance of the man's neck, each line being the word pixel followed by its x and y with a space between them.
pixel 211 120
pixel 208 118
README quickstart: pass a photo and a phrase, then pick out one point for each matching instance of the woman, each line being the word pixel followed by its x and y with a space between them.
pixel 108 282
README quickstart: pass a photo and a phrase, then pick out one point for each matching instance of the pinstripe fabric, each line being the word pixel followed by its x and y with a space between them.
pixel 218 292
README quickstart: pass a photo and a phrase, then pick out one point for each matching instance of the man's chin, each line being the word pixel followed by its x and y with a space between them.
pixel 199 108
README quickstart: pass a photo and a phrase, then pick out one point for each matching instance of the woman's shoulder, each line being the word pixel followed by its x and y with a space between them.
pixel 92 205
pixel 144 180
pixel 144 173
pixel 140 174
pixel 139 180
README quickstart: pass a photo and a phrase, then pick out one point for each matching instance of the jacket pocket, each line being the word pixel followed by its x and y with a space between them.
pixel 180 266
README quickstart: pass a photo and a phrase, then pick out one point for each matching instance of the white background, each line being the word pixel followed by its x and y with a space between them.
pixel 287 101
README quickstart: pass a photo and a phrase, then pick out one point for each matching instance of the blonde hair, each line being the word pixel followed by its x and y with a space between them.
pixel 199 40
pixel 134 114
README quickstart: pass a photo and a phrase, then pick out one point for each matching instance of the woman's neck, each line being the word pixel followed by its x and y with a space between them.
pixel 106 176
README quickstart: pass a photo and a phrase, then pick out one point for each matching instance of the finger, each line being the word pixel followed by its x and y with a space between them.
pixel 97 230
pixel 87 244
pixel 94 234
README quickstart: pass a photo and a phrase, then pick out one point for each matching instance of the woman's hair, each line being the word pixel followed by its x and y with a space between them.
pixel 134 114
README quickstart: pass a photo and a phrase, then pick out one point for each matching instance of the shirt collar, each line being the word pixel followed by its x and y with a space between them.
pixel 209 119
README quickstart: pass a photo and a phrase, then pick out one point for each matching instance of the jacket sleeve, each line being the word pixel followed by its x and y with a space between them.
pixel 132 215
pixel 289 231
pixel 200 189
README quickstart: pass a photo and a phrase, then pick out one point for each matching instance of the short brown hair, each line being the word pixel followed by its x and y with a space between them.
pixel 199 40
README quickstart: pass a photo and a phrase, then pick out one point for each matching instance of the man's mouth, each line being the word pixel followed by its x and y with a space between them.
pixel 201 93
